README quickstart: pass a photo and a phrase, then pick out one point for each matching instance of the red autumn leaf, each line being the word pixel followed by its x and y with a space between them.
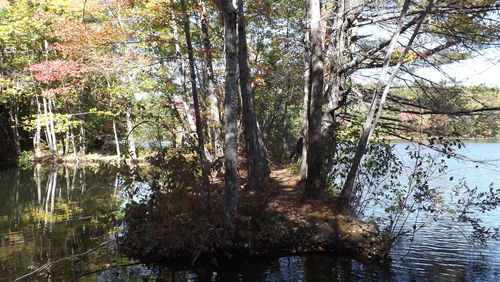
pixel 55 70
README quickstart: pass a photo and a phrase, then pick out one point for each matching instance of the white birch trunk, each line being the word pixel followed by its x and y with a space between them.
pixel 37 137
pixel 117 141
pixel 130 136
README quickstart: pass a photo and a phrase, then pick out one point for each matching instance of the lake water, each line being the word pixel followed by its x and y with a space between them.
pixel 47 213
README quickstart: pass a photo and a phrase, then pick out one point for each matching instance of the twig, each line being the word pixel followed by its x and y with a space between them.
pixel 49 264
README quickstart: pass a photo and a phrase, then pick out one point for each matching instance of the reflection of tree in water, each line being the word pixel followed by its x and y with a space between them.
pixel 334 268
pixel 51 212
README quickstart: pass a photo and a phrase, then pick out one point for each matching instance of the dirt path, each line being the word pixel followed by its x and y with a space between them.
pixel 289 198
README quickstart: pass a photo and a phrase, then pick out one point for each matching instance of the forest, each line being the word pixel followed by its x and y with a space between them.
pixel 261 127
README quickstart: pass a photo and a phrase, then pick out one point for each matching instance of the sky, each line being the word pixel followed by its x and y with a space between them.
pixel 484 68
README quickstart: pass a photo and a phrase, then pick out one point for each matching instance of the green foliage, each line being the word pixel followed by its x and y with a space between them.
pixel 170 224
pixel 445 111
pixel 25 160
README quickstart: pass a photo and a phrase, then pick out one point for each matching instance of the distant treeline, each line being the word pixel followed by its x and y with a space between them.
pixel 449 111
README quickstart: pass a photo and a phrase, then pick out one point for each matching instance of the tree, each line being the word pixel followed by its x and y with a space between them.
pixel 315 180
pixel 199 128
pixel 215 124
pixel 257 164
pixel 230 16
pixel 380 94
pixel 353 54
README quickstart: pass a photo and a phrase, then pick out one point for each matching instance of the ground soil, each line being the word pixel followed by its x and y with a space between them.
pixel 275 219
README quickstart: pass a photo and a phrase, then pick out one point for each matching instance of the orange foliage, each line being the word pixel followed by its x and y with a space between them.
pixel 86 41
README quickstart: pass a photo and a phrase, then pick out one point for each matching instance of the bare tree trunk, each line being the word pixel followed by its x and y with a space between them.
pixel 130 135
pixel 258 167
pixel 315 179
pixel 180 58
pixel 117 141
pixel 378 100
pixel 115 131
pixel 339 86
pixel 305 128
pixel 37 137
pixel 51 103
pixel 215 125
pixel 82 140
pixel 305 109
pixel 49 127
pixel 199 128
pixel 185 111
pixel 67 142
pixel 48 137
pixel 286 135
pixel 230 113
pixel 72 136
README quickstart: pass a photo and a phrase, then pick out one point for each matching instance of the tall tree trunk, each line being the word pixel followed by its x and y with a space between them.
pixel 180 58
pixel 184 109
pixel 73 144
pixel 38 129
pixel 338 87
pixel 305 107
pixel 48 136
pixel 14 118
pixel 258 167
pixel 305 126
pixel 49 127
pixel 51 105
pixel 315 180
pixel 230 113
pixel 378 101
pixel 199 128
pixel 286 135
pixel 82 140
pixel 115 131
pixel 130 135
pixel 215 125
pixel 47 105
pixel 117 141
pixel 66 142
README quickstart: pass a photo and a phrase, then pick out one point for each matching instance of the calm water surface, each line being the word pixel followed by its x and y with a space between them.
pixel 47 213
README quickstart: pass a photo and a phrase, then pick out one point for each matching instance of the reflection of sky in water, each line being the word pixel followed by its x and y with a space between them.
pixel 53 212
pixel 481 173
pixel 141 192
pixel 438 251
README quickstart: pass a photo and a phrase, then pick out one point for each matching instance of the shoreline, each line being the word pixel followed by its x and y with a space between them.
pixel 465 140
pixel 85 159
pixel 113 159
pixel 276 221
